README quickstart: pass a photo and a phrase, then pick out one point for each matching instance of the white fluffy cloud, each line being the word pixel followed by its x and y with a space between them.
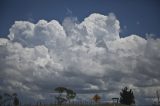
pixel 88 55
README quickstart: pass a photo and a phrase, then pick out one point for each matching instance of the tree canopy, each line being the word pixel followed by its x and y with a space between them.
pixel 8 99
pixel 96 98
pixel 127 96
pixel 69 94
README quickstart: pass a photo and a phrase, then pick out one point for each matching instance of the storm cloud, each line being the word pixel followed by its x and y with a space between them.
pixel 88 55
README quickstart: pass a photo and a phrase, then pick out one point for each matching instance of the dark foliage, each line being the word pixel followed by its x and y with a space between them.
pixel 61 98
pixel 1 100
pixel 9 99
pixel 127 96
pixel 70 94
pixel 15 100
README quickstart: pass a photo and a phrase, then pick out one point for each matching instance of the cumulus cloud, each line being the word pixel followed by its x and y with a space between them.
pixel 88 55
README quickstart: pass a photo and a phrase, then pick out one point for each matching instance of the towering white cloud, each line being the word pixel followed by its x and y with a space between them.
pixel 88 55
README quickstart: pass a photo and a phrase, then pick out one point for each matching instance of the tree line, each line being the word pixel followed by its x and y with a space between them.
pixel 9 99
pixel 66 95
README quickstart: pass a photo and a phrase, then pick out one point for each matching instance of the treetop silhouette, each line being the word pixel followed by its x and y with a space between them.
pixel 127 96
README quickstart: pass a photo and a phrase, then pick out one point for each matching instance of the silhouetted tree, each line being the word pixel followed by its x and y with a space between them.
pixel 9 99
pixel 96 98
pixel 60 90
pixel 60 98
pixel 127 96
pixel 70 94
pixel 1 98
pixel 15 100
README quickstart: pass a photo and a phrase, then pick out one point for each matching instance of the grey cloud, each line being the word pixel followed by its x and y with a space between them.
pixel 83 56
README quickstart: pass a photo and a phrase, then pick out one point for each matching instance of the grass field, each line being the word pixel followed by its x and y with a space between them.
pixel 93 104
pixel 106 104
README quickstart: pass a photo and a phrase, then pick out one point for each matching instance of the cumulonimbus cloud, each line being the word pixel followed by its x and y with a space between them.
pixel 89 55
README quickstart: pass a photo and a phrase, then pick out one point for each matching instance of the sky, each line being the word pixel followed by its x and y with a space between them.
pixel 88 45
pixel 136 17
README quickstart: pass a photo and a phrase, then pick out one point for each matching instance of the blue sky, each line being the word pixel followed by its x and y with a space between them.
pixel 135 16
pixel 38 55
